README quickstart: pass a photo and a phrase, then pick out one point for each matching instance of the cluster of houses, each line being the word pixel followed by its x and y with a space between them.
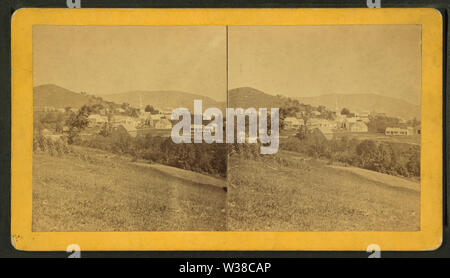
pixel 354 123
pixel 146 122
pixel 132 125
pixel 161 121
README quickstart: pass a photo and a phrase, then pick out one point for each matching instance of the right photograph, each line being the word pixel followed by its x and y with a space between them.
pixel 349 100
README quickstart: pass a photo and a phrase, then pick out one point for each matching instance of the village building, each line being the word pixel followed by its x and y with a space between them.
pixel 48 109
pixel 313 123
pixel 398 131
pixel 359 126
pixel 327 123
pixel 364 120
pixel 348 122
pixel 318 122
pixel 119 119
pixel 364 117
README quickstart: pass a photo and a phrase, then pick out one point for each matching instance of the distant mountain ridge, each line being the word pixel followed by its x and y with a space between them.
pixel 245 97
pixel 163 99
pixel 366 102
pixel 50 95
pixel 250 97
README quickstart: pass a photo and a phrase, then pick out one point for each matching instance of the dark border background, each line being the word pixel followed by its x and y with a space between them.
pixel 7 7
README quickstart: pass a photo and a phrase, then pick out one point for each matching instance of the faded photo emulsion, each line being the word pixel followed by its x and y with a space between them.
pixel 226 128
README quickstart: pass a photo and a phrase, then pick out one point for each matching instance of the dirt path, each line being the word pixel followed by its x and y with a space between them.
pixel 183 186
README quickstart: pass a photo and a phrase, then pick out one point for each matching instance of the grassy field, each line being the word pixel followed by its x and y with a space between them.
pixel 97 191
pixel 294 193
pixel 92 190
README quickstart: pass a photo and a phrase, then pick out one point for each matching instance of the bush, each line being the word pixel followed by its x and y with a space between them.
pixel 385 157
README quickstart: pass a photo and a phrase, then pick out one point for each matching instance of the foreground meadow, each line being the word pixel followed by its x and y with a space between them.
pixel 294 193
pixel 92 190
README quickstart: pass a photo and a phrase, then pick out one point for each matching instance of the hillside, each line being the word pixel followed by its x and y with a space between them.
pixel 58 97
pixel 163 99
pixel 303 194
pixel 91 190
pixel 245 97
pixel 366 102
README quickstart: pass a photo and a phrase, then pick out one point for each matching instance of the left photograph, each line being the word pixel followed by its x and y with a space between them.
pixel 103 156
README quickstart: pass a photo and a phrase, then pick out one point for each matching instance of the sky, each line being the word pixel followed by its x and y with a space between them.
pixel 301 61
pixel 295 61
pixel 115 59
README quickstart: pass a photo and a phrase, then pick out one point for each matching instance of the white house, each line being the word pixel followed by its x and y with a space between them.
pixel 119 119
pixel 326 123
pixel 359 126
pixel 348 122
pixel 398 131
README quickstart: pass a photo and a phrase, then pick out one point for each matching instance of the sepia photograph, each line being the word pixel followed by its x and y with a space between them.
pixel 226 128
pixel 349 144
pixel 103 155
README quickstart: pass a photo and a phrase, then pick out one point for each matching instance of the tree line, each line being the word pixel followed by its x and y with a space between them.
pixel 399 159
